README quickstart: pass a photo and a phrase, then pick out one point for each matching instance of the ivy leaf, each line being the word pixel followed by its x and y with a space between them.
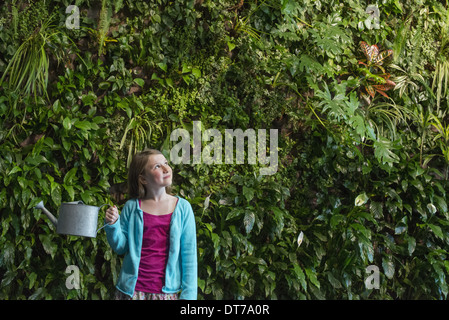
pixel 32 278
pixel 254 260
pixel 196 72
pixel 86 197
pixel 437 230
pixel 333 281
pixel 248 193
pixel 163 66
pixel 231 46
pixel 376 209
pixel 89 99
pixel 70 175
pixel 83 125
pixel 216 242
pixel 300 275
pixel 14 170
pixel 388 266
pixel 156 18
pixel 140 82
pixel 206 202
pixel 311 275
pixel 248 221
pixel 67 123
pixel 361 199
pixel 104 85
pixel 400 229
pixel 8 277
pixel 441 204
pixel 432 208
pixel 56 193
pixel 411 245
pixel 48 244
pixel 71 191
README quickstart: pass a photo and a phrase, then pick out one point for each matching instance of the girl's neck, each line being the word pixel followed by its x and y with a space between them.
pixel 155 195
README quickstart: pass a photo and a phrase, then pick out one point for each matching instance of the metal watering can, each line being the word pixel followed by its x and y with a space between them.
pixel 75 218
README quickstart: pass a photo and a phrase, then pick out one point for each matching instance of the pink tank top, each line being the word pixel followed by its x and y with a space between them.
pixel 155 243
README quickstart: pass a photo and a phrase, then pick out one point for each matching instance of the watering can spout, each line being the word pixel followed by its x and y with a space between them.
pixel 52 218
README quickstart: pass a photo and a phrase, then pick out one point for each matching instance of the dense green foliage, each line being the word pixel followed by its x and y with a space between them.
pixel 364 180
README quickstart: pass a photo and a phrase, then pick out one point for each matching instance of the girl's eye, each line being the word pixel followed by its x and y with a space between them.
pixel 158 165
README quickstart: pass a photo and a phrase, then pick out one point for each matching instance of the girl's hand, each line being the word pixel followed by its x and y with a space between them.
pixel 111 215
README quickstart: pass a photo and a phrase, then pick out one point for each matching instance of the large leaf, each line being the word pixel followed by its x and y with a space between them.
pixel 388 266
pixel 361 199
pixel 383 151
pixel 248 221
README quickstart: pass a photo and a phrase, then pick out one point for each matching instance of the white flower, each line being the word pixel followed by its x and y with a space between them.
pixel 432 208
pixel 206 202
pixel 300 237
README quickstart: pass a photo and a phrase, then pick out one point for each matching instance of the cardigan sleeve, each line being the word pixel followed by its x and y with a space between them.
pixel 117 233
pixel 189 263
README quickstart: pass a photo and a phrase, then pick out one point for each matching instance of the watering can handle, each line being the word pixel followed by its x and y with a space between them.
pixel 103 227
pixel 75 202
pixel 106 222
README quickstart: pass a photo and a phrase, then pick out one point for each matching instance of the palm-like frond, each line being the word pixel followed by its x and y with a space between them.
pixel 140 128
pixel 28 68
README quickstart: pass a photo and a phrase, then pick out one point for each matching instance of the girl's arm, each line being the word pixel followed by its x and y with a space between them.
pixel 117 233
pixel 189 262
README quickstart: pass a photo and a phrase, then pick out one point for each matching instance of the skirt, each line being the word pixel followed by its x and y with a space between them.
pixel 139 295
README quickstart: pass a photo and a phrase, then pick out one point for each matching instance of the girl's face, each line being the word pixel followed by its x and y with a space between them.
pixel 157 173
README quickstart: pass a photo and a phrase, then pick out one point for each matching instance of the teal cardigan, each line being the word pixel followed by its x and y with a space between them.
pixel 125 237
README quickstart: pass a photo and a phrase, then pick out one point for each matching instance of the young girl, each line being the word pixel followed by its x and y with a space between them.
pixel 156 233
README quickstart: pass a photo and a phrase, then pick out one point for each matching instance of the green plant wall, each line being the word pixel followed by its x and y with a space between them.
pixel 361 178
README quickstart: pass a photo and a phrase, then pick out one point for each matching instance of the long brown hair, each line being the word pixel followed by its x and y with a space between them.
pixel 136 168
